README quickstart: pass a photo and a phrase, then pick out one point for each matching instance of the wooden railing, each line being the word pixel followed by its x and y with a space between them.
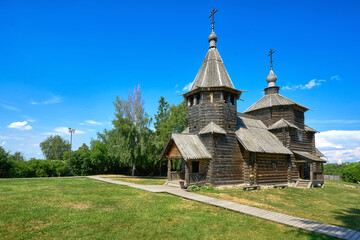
pixel 177 175
pixel 197 177
pixel 317 176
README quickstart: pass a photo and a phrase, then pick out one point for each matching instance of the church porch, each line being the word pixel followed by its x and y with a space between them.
pixel 310 170
pixel 191 172
pixel 188 160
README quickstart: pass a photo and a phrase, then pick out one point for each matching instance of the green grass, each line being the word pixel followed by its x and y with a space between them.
pixel 82 208
pixel 347 183
pixel 332 204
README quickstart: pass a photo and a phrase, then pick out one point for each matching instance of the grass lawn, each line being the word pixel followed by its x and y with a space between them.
pixel 82 208
pixel 332 204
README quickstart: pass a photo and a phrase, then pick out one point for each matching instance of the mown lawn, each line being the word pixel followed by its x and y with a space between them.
pixel 82 208
pixel 332 204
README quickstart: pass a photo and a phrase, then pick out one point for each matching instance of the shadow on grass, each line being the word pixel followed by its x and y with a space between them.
pixel 350 217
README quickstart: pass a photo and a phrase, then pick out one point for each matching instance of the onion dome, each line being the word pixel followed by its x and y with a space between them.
pixel 271 79
pixel 212 39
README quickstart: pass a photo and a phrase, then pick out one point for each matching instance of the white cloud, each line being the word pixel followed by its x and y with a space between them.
pixel 3 143
pixel 63 131
pixel 312 83
pixel 91 122
pixel 336 77
pixel 10 107
pixel 53 99
pixel 188 86
pixel 339 145
pixel 20 125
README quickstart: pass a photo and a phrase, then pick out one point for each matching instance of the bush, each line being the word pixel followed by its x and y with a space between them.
pixel 38 168
pixel 334 169
pixel 193 188
pixel 352 172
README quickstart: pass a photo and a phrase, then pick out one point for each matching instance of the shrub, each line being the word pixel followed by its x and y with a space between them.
pixel 352 172
pixel 193 188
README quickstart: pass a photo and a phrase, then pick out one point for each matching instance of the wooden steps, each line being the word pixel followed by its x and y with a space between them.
pixel 301 183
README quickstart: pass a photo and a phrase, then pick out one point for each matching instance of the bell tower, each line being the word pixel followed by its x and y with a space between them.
pixel 212 97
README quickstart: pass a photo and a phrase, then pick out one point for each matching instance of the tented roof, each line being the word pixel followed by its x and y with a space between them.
pixel 212 72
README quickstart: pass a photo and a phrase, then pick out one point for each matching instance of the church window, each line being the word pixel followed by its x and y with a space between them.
pixel 232 100
pixel 190 103
pixel 300 137
pixel 226 98
pixel 198 99
pixel 273 165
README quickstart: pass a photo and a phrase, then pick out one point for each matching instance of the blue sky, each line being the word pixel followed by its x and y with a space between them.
pixel 62 63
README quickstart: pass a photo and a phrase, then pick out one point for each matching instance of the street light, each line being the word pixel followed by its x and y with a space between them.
pixel 71 131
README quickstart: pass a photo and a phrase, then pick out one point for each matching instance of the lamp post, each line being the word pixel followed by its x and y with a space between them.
pixel 71 131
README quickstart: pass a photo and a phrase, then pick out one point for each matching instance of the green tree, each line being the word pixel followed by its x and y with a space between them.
pixel 352 172
pixel 17 156
pixel 161 119
pixel 99 157
pixel 84 148
pixel 53 147
pixel 169 119
pixel 128 140
pixel 4 163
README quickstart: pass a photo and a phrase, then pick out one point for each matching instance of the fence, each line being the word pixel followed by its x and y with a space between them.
pixel 333 177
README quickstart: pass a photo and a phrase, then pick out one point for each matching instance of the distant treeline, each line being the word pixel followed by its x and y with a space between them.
pixel 130 147
pixel 350 172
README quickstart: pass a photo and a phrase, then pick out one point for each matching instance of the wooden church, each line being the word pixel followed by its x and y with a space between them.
pixel 267 145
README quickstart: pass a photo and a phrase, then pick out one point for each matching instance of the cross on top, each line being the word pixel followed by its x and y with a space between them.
pixel 270 54
pixel 213 11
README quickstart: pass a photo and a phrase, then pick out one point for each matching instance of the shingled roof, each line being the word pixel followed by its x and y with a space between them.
pixel 308 156
pixel 212 72
pixel 282 123
pixel 189 145
pixel 272 100
pixel 212 128
pixel 255 137
pixel 309 129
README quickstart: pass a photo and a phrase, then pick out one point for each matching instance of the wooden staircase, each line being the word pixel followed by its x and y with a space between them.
pixel 301 183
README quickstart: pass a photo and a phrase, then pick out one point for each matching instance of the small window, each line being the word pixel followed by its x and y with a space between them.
pixel 273 165
pixel 300 137
pixel 232 100
pixel 226 99
pixel 198 99
pixel 190 102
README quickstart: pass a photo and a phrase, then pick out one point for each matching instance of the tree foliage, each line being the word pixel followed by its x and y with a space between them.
pixel 352 172
pixel 131 145
pixel 130 138
pixel 334 169
pixel 53 147
pixel 169 118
